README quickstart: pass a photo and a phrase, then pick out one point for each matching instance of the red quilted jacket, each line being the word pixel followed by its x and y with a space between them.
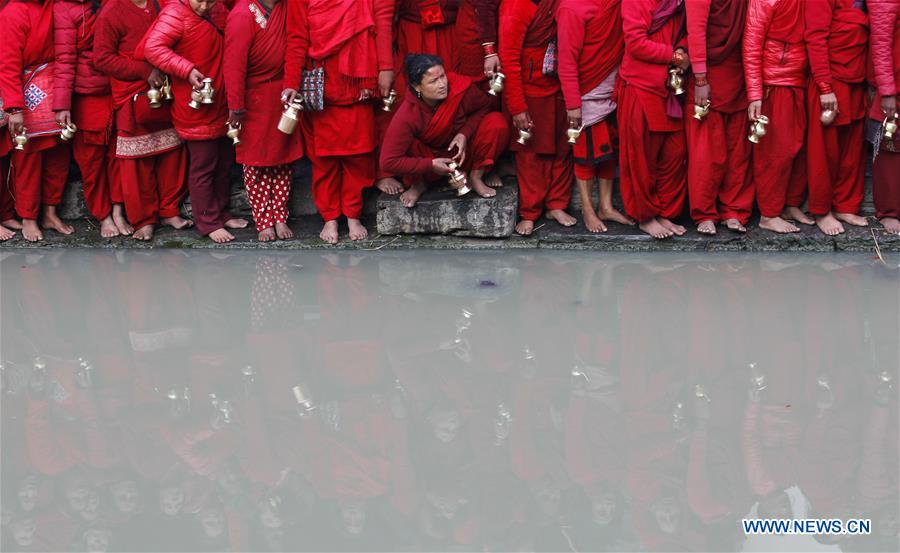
pixel 884 41
pixel 774 47
pixel 73 38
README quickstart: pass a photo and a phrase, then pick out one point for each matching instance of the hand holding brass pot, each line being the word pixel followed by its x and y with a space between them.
pixel 21 140
pixel 68 132
pixel 154 95
pixel 208 92
pixel 758 129
pixel 496 85
pixel 388 101
pixel 701 111
pixel 827 117
pixel 234 133
pixel 574 133
pixel 288 122
pixel 890 127
pixel 676 81
pixel 524 136
pixel 458 180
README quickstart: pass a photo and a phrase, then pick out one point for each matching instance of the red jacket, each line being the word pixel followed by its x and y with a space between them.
pixel 179 41
pixel 73 39
pixel 774 48
pixel 884 44
pixel 521 58
pixel 21 48
pixel 119 29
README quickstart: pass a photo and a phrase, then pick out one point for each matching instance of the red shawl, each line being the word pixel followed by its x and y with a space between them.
pixel 664 11
pixel 344 28
pixel 439 131
pixel 725 29
pixel 543 26
pixel 37 59
pixel 848 42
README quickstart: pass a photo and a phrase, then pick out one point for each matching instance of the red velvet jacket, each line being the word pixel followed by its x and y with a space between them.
pixel 884 44
pixel 73 39
pixel 774 48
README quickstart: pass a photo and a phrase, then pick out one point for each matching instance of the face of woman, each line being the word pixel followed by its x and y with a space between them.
pixel 434 86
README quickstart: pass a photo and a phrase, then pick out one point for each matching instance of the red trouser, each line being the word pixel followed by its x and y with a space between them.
pixel 338 183
pixel 208 183
pixel 719 183
pixel 95 164
pixel 604 170
pixel 545 181
pixel 268 189
pixel 779 160
pixel 886 182
pixel 7 206
pixel 651 164
pixel 835 161
pixel 152 187
pixel 39 178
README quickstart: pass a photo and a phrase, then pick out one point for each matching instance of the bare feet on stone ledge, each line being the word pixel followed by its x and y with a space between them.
pixel 794 213
pixel 525 227
pixel 267 235
pixel 493 180
pixel 6 234
pixel 735 225
pixel 144 234
pixel 389 185
pixel 561 217
pixel 655 229
pixel 178 223
pixel 236 223
pixel 357 230
pixel 411 196
pixel 707 227
pixel 118 217
pixel 591 221
pixel 283 232
pixel 852 219
pixel 221 236
pixel 777 224
pixel 11 224
pixel 329 232
pixel 891 224
pixel 829 225
pixel 31 231
pixel 675 229
pixel 52 221
pixel 108 228
pixel 478 185
pixel 609 213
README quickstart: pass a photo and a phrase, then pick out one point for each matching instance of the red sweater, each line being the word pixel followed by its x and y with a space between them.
pixel 73 37
pixel 21 47
pixel 836 39
pixel 119 29
pixel 645 64
pixel 521 58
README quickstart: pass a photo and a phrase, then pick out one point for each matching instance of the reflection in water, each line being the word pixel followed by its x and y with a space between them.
pixel 479 402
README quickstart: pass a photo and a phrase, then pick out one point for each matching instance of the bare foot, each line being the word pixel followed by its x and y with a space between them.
pixel 677 229
pixel 525 227
pixel 177 222
pixel 108 228
pixel 852 219
pixel 330 232
pixel 118 215
pixel 357 230
pixel 591 221
pixel 31 231
pixel 283 232
pixel 493 180
pixel 6 234
pixel 267 235
pixel 561 217
pixel 236 223
pixel 144 234
pixel 794 213
pixel 829 225
pixel 706 227
pixel 655 229
pixel 52 221
pixel 389 185
pixel 891 224
pixel 777 224
pixel 411 196
pixel 735 225
pixel 613 214
pixel 13 224
pixel 220 236
pixel 479 186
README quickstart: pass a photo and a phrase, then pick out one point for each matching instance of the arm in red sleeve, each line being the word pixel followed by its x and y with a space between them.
pixel 12 46
pixel 570 29
pixel 883 15
pixel 107 57
pixel 161 38
pixel 297 43
pixel 697 24
pixel 384 34
pixel 818 15
pixel 396 146
pixel 636 16
pixel 474 106
pixel 238 38
pixel 66 53
pixel 486 12
pixel 759 15
pixel 514 19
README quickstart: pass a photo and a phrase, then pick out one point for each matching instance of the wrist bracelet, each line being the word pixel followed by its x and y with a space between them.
pixel 489 48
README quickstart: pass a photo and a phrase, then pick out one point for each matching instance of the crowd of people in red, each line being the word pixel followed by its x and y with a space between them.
pixel 711 106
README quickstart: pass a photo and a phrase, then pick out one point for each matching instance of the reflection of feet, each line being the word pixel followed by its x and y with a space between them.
pixel 852 219
pixel 677 229
pixel 613 214
pixel 236 223
pixel 891 224
pixel 144 234
pixel 707 227
pixel 655 229
pixel 389 185
pixel 525 227
pixel 267 235
pixel 329 232
pixel 561 217
pixel 283 231
pixel 794 213
pixel 480 187
pixel 31 231
pixel 6 234
pixel 777 224
pixel 108 228
pixel 411 196
pixel 493 180
pixel 177 222
pixel 735 225
pixel 52 221
pixel 829 225
pixel 118 215
pixel 12 224
pixel 220 236
pixel 357 230
pixel 591 221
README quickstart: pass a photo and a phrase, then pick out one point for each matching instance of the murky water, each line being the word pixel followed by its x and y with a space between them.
pixel 437 401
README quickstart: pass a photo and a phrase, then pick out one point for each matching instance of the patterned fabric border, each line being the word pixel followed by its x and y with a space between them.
pixel 259 16
pixel 148 144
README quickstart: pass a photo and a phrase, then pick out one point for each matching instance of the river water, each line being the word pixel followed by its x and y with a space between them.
pixel 507 401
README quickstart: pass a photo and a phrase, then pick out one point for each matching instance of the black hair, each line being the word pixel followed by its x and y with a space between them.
pixel 417 65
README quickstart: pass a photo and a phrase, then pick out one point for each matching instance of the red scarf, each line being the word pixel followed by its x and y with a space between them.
pixel 542 28
pixel 726 29
pixel 39 45
pixel 849 37
pixel 664 11
pixel 345 28
pixel 439 131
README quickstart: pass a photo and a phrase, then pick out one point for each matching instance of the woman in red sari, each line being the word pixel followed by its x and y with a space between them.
pixel 256 37
pixel 26 86
pixel 445 119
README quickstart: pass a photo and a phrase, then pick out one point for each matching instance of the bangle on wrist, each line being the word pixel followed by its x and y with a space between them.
pixel 701 81
pixel 489 56
pixel 490 48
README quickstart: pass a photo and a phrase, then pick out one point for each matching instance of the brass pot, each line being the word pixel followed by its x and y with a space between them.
pixel 573 134
pixel 458 180
pixel 167 89
pixel 758 129
pixel 196 99
pixel 496 84
pixel 207 91
pixel 288 122
pixel 524 136
pixel 21 140
pixel 68 132
pixel 234 133
pixel 155 97
pixel 701 111
pixel 890 127
pixel 827 117
pixel 676 81
pixel 387 103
